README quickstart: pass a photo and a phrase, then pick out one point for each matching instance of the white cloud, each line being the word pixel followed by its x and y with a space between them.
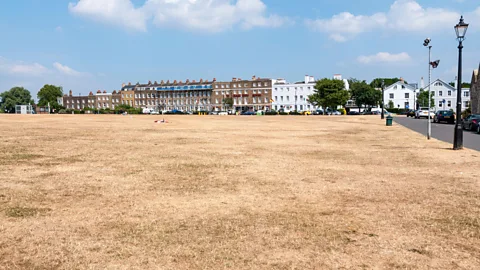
pixel 203 15
pixel 121 12
pixel 66 70
pixel 403 16
pixel 384 57
pixel 21 68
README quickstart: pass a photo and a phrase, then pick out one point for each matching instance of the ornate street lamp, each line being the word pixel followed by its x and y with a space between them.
pixel 383 99
pixel 461 30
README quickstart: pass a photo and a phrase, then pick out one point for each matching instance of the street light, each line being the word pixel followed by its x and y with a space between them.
pixel 383 99
pixel 426 43
pixel 461 30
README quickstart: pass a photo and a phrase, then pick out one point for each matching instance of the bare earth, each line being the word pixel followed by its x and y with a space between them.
pixel 236 192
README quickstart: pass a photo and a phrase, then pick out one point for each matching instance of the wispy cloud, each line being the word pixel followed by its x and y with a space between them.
pixel 403 16
pixel 203 15
pixel 384 57
pixel 66 70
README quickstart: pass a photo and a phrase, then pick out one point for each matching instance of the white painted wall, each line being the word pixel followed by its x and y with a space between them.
pixel 401 94
pixel 443 91
pixel 283 95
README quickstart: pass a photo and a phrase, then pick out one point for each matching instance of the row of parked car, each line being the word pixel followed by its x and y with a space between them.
pixel 471 122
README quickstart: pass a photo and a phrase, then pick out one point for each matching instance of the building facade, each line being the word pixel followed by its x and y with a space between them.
pixel 293 96
pixel 254 94
pixel 475 92
pixel 401 94
pixel 75 102
pixel 445 95
pixel 185 96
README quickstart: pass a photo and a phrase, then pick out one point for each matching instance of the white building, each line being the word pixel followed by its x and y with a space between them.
pixel 345 81
pixel 401 94
pixel 293 96
pixel 445 96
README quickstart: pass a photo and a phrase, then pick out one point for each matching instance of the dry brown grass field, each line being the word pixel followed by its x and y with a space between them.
pixel 233 192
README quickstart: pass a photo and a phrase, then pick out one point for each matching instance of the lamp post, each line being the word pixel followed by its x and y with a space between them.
pixel 461 30
pixel 383 99
pixel 426 43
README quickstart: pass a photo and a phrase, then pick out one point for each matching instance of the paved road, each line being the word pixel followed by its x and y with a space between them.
pixel 443 132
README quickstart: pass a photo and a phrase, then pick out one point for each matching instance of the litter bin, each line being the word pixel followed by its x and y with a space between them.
pixel 389 121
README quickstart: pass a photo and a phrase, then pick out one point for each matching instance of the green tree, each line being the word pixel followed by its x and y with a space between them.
pixel 228 102
pixel 377 83
pixel 329 93
pixel 391 105
pixel 364 94
pixel 464 84
pixel 49 94
pixel 422 99
pixel 13 97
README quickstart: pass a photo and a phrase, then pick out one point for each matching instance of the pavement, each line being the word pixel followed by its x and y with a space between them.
pixel 443 132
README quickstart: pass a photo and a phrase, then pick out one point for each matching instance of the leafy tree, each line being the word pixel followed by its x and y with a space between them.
pixel 391 105
pixel 364 94
pixel 422 99
pixel 13 97
pixel 377 83
pixel 228 102
pixel 329 93
pixel 464 84
pixel 49 94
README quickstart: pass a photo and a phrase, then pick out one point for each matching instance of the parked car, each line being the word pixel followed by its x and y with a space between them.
pixel 411 113
pixel 353 113
pixel 444 116
pixel 223 113
pixel 471 122
pixel 154 112
pixel 213 113
pixel 306 112
pixel 423 113
pixel 248 113
pixel 318 112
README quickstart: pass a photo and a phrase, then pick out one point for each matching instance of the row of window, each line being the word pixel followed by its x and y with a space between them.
pixel 169 102
pixel 259 84
pixel 240 92
pixel 440 94
pixel 288 98
pixel 239 100
pixel 170 95
pixel 293 88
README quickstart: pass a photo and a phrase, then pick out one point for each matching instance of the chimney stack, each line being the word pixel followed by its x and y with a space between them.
pixel 129 83
pixel 194 81
pixel 201 80
pixel 175 82
pixel 234 79
pixel 254 78
pixel 70 93
pixel 456 82
pixel 123 85
pixel 162 82
pixel 214 79
pixel 187 81
pixel 149 82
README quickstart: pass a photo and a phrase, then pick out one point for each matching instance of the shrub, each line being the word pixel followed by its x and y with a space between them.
pixel 62 111
pixel 283 113
pixel 342 111
pixel 295 113
pixel 271 113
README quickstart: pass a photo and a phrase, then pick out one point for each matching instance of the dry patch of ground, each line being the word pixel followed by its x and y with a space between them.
pixel 210 192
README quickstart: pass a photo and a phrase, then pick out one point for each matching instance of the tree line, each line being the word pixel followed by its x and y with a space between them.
pixel 21 96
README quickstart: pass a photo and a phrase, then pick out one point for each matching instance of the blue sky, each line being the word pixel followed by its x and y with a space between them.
pixel 99 44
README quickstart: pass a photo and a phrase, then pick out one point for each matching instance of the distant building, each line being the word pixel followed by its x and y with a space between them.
pixel 475 91
pixel 445 95
pixel 401 94
pixel 293 96
pixel 254 94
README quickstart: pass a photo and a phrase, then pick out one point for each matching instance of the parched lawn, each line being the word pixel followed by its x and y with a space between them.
pixel 236 192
